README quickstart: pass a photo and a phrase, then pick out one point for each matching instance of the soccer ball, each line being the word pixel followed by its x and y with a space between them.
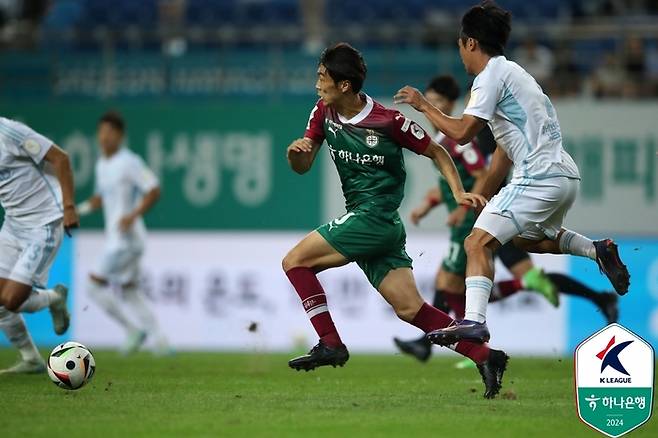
pixel 71 365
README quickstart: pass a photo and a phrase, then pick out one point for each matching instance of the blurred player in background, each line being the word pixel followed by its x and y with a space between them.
pixel 443 92
pixel 126 189
pixel 531 209
pixel 37 195
pixel 365 141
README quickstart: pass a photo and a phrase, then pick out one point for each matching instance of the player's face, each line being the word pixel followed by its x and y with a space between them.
pixel 109 138
pixel 465 53
pixel 326 87
pixel 440 101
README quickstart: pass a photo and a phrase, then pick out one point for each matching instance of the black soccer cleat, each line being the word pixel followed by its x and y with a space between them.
pixel 462 331
pixel 319 356
pixel 492 371
pixel 420 348
pixel 607 257
pixel 608 303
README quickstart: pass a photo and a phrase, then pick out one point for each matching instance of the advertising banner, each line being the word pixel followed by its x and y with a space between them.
pixel 227 291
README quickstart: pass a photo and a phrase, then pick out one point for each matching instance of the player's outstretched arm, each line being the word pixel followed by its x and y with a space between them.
pixel 148 201
pixel 90 205
pixel 498 171
pixel 461 129
pixel 431 200
pixel 301 153
pixel 446 166
pixel 59 160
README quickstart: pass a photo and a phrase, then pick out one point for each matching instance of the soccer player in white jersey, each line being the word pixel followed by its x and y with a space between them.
pixel 126 189
pixel 36 193
pixel 545 180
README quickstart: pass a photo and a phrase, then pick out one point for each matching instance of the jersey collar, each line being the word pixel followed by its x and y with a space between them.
pixel 362 115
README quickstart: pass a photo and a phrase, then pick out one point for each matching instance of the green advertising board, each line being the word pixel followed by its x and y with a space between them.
pixel 222 166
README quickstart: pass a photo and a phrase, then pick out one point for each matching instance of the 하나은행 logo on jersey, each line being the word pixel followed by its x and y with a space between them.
pixel 355 157
pixel 614 375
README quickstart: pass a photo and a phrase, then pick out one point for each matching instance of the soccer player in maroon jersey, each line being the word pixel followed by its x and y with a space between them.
pixel 365 141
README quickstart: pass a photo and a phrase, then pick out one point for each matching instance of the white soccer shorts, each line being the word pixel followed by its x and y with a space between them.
pixel 533 209
pixel 120 265
pixel 26 254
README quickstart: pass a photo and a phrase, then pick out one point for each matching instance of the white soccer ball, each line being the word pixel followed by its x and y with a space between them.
pixel 71 365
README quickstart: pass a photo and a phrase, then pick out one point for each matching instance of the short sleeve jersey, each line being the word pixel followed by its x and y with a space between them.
pixel 30 193
pixel 367 151
pixel 121 181
pixel 522 120
pixel 467 158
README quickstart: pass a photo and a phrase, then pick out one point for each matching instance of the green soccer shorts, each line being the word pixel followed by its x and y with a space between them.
pixel 374 239
pixel 455 261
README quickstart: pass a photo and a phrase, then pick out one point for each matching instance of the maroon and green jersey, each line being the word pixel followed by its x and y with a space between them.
pixel 467 158
pixel 367 151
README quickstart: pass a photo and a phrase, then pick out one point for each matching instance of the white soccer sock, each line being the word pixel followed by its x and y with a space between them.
pixel 146 317
pixel 576 244
pixel 13 326
pixel 104 297
pixel 478 289
pixel 38 299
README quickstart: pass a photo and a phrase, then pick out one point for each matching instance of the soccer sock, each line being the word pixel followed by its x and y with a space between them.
pixel 503 289
pixel 576 244
pixel 135 300
pixel 478 289
pixel 104 297
pixel 38 299
pixel 13 325
pixel 429 318
pixel 457 303
pixel 440 301
pixel 569 286
pixel 314 301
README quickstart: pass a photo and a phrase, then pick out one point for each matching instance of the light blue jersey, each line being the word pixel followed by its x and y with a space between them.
pixel 522 120
pixel 30 193
pixel 121 181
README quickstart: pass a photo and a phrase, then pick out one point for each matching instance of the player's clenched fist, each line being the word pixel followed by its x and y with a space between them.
pixel 71 219
pixel 301 154
pixel 300 145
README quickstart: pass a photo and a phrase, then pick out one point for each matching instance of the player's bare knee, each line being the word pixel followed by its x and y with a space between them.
pixel 407 310
pixel 406 313
pixel 291 260
pixel 473 245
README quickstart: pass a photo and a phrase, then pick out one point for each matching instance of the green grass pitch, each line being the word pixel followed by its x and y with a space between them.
pixel 251 395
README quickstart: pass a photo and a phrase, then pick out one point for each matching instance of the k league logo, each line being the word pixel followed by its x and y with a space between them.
pixel 610 357
pixel 614 380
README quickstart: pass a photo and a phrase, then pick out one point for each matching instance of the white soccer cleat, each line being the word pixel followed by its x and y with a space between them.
pixel 59 311
pixel 36 366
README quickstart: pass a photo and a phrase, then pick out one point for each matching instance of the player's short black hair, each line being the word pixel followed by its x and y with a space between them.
pixel 446 86
pixel 490 25
pixel 115 119
pixel 344 63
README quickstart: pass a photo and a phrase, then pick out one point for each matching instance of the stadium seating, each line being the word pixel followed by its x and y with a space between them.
pixel 119 14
